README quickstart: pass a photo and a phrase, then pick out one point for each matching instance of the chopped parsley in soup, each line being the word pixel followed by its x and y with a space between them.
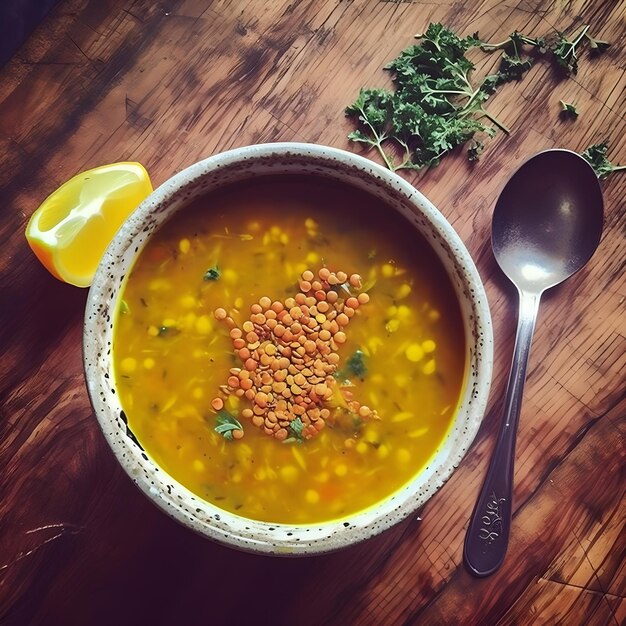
pixel 290 349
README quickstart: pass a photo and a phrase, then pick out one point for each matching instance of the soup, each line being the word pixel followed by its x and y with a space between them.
pixel 289 349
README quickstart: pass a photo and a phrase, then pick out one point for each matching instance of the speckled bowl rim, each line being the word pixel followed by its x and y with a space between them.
pixel 191 510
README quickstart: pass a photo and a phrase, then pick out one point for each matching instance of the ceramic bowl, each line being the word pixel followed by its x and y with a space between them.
pixel 244 164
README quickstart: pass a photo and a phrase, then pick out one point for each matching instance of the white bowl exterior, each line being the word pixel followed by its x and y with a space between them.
pixel 244 164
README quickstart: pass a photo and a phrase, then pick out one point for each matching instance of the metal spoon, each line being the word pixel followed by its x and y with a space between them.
pixel 546 225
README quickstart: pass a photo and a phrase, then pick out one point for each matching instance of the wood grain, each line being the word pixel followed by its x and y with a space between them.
pixel 168 82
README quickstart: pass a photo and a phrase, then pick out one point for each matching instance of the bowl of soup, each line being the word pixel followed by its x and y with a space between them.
pixel 288 348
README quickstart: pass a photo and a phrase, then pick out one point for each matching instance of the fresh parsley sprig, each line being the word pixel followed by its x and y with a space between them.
pixel 568 110
pixel 596 155
pixel 225 424
pixel 296 431
pixel 437 105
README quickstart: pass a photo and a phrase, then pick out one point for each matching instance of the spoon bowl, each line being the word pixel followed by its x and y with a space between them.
pixel 547 222
pixel 546 225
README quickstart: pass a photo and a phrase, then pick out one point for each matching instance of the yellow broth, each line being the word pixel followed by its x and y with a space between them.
pixel 171 355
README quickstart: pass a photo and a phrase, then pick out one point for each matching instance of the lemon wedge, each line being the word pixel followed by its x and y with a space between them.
pixel 71 230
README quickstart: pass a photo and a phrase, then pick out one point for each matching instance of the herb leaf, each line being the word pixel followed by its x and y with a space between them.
pixel 568 110
pixel 356 366
pixel 226 423
pixel 168 331
pixel 295 428
pixel 596 155
pixel 213 273
pixel 564 50
pixel 436 106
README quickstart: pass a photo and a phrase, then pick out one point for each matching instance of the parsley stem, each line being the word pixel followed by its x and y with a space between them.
pixel 383 154
pixel 492 47
pixel 582 33
pixel 378 142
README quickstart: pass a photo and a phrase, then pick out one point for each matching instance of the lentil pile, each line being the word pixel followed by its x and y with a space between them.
pixel 289 352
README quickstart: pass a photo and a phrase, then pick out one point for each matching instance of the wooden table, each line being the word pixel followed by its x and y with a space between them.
pixel 168 82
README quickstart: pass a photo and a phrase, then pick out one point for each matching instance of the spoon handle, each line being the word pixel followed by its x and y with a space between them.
pixel 487 537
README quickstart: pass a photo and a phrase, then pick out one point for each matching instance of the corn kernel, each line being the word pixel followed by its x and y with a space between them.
pixel 198 393
pixel 401 380
pixel 310 223
pixel 188 302
pixel 128 365
pixel 414 352
pixel 232 402
pixel 236 477
pixel 312 497
pixel 312 258
pixel 198 465
pixel 429 367
pixel 159 284
pixel 404 312
pixel 361 447
pixel 204 325
pixel 169 322
pixel 388 270
pixel 149 363
pixel 403 456
pixel 403 291
pixel 374 343
pixel 392 325
pixel 433 315
pixel 238 302
pixel 429 346
pixel 392 311
pixel 284 239
pixel 184 245
pixel 370 433
pixel 260 474
pixel 289 473
pixel 322 477
pixel 189 320
pixel 382 452
pixel 341 470
pixel 230 276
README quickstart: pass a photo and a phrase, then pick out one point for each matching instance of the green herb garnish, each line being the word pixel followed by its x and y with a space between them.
pixel 437 105
pixel 596 155
pixel 295 428
pixel 168 331
pixel 356 365
pixel 213 273
pixel 226 424
pixel 568 110
pixel 564 50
